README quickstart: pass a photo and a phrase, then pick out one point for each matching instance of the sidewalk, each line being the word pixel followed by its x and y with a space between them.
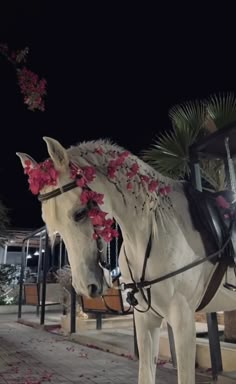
pixel 34 356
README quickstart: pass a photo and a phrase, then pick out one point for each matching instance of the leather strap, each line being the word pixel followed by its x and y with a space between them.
pixel 213 285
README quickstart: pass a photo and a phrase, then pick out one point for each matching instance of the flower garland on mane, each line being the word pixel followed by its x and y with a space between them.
pixel 44 174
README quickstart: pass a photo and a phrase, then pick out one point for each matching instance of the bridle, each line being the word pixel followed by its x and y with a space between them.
pixel 65 188
pixel 59 191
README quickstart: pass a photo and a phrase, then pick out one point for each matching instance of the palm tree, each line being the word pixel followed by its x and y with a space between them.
pixel 191 121
pixel 170 152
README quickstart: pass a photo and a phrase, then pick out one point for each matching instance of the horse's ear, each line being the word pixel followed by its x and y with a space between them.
pixel 57 153
pixel 26 160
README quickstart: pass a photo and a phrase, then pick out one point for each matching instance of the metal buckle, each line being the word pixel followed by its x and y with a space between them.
pixel 122 286
pixel 131 300
pixel 230 287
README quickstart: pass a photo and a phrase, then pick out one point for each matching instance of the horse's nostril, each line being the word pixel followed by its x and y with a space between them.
pixel 92 290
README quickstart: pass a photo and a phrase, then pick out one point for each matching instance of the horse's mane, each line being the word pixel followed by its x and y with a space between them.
pixel 87 151
pixel 100 153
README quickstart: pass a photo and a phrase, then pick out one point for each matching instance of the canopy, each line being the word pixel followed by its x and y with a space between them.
pixel 213 145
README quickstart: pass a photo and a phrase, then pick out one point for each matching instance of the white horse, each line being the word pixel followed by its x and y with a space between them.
pixel 146 206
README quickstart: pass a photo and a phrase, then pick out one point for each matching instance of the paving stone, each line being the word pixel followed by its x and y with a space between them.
pixel 34 356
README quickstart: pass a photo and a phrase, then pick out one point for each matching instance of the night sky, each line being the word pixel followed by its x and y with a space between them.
pixel 111 73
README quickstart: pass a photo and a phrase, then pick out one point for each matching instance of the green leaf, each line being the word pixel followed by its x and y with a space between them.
pixel 169 154
pixel 189 116
pixel 221 109
pixel 190 121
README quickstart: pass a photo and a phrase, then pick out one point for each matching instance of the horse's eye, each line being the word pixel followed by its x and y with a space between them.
pixel 80 215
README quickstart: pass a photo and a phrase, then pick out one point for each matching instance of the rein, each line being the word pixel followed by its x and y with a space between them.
pixel 139 286
pixel 147 283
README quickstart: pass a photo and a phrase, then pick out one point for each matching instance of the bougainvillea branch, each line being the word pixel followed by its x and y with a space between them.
pixel 32 88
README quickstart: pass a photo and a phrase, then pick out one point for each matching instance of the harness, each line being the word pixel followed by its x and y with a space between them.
pixel 144 284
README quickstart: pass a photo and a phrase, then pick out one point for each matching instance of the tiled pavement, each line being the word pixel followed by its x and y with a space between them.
pixel 32 356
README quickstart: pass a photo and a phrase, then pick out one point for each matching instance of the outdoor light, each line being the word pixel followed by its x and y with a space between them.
pixel 43 250
pixel 28 257
pixel 36 253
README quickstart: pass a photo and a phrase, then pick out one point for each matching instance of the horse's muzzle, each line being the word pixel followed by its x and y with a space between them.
pixel 94 290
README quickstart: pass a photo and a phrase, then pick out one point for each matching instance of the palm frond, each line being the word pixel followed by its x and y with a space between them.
pixel 169 154
pixel 221 109
pixel 213 173
pixel 190 115
pixel 190 121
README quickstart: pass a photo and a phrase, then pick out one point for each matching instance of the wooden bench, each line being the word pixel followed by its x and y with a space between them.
pixel 32 296
pixel 110 304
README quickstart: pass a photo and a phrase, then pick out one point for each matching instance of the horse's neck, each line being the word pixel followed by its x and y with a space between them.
pixel 127 198
pixel 121 205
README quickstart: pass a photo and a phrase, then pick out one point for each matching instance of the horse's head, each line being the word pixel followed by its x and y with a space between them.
pixel 69 207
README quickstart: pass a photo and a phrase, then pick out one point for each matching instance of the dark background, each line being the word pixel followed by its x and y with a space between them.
pixel 112 71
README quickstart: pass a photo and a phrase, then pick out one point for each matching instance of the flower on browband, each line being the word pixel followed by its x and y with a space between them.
pixel 41 175
pixel 44 174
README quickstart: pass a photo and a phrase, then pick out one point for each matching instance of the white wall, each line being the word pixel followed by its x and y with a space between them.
pixel 12 257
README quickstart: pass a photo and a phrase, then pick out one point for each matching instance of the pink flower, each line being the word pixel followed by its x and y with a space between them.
pixel 89 173
pixel 97 216
pixel 98 198
pixel 168 189
pixel 116 163
pixel 41 175
pixel 32 88
pixel 125 154
pixel 222 203
pixel 81 182
pixel 112 164
pixel 108 222
pixel 107 234
pixel 111 172
pixel 145 178
pixel 121 158
pixel 135 168
pixel 162 191
pixel 129 186
pixel 85 196
pixel 119 161
pixel 74 170
pixel 88 195
pixel 152 186
pixel 45 174
pixel 99 151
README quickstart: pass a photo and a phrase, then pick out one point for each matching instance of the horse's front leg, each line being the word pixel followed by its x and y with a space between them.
pixel 148 334
pixel 182 319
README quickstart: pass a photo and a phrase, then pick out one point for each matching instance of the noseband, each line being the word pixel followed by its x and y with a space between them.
pixel 65 188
